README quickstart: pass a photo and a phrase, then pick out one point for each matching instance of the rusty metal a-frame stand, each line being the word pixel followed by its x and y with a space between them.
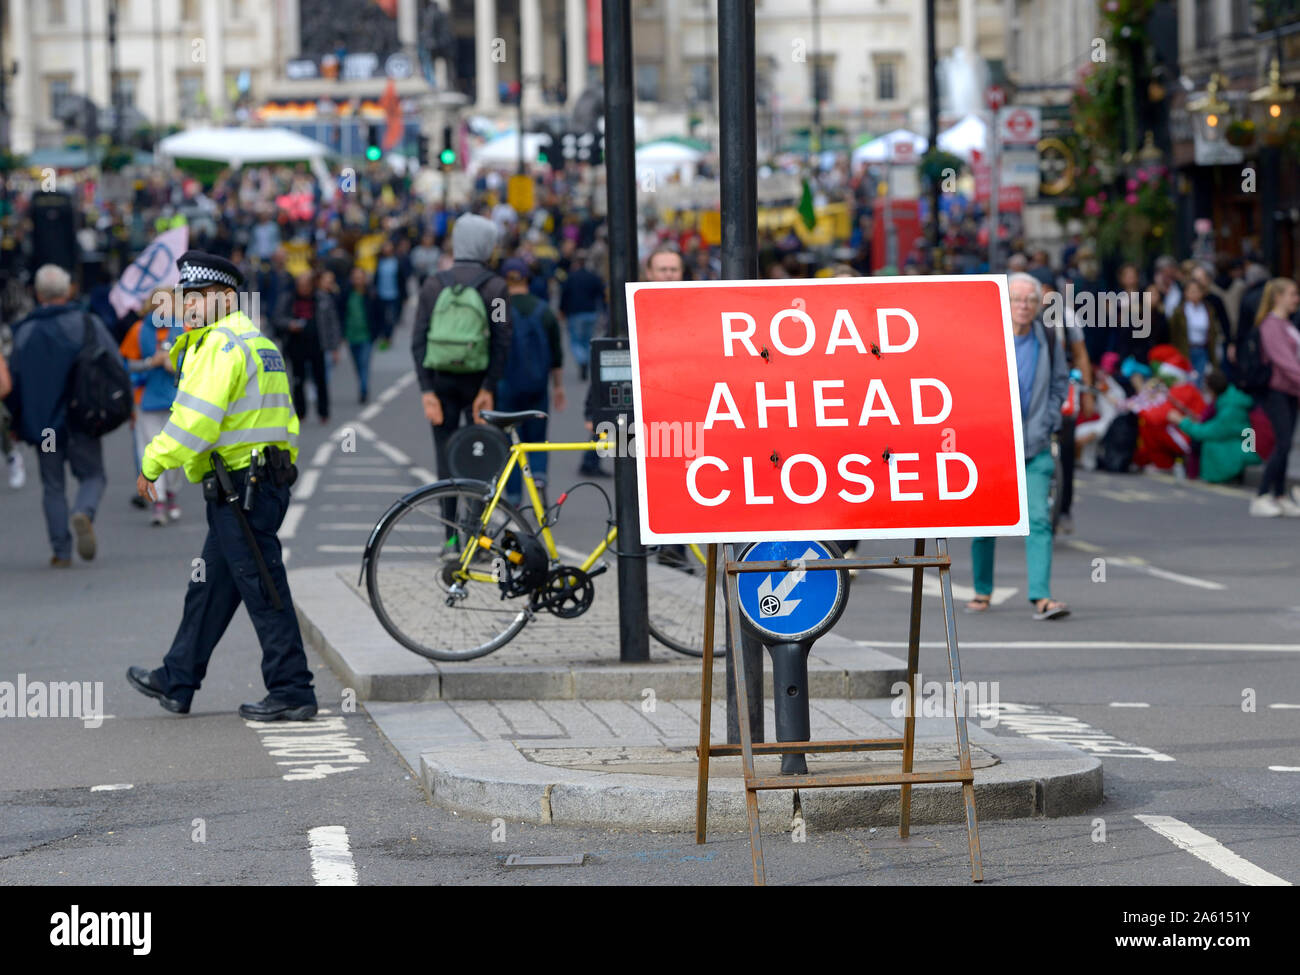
pixel 918 562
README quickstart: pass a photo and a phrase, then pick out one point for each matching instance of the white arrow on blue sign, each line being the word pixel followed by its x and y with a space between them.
pixel 790 606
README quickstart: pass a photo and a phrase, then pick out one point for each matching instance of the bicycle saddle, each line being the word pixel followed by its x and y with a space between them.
pixel 506 420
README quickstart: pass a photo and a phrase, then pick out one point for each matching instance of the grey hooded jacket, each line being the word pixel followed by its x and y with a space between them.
pixel 1051 382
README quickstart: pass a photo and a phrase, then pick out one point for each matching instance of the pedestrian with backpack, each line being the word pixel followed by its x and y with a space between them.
pixel 461 339
pixel 535 362
pixel 70 388
pixel 1279 343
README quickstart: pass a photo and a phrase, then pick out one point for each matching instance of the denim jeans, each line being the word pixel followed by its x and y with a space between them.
pixel 530 431
pixel 85 455
pixel 361 359
pixel 581 325
pixel 1038 544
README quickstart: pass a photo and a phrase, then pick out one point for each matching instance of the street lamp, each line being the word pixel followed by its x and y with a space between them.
pixel 1211 108
pixel 1270 101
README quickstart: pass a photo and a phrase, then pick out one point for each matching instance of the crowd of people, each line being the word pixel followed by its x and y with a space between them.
pixel 1194 368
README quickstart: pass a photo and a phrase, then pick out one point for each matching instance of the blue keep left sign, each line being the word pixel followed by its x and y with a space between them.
pixel 792 606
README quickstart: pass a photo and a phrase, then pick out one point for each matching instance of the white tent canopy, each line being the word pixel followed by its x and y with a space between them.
pixel 504 150
pixel 242 147
pixel 881 149
pixel 668 158
pixel 970 134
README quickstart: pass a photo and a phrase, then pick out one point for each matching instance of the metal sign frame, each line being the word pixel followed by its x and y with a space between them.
pixel 918 562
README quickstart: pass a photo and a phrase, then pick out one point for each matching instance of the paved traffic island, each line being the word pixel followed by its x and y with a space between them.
pixel 551 659
pixel 613 764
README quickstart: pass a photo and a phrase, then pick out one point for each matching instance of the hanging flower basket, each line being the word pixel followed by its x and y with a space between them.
pixel 1240 133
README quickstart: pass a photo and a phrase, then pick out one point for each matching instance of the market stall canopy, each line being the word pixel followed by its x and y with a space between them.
pixel 503 151
pixel 881 150
pixel 237 147
pixel 969 135
pixel 669 158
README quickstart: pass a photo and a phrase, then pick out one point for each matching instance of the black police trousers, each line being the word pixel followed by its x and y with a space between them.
pixel 227 575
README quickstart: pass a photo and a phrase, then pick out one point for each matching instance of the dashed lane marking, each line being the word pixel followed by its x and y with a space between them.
pixel 112 787
pixel 1210 850
pixel 1129 704
pixel 292 516
pixel 1141 565
pixel 331 857
pixel 1093 645
pixel 322 455
pixel 306 485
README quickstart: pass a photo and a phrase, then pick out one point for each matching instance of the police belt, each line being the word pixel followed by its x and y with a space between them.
pixel 219 486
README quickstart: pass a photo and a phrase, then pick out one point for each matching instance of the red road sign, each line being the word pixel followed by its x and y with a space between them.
pixel 828 408
pixel 996 97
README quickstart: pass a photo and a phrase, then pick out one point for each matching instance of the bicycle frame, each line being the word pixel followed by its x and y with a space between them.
pixel 519 452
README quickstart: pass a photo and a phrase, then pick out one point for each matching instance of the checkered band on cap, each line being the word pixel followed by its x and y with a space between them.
pixel 198 274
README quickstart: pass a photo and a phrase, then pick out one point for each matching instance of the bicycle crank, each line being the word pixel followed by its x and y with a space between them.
pixel 567 593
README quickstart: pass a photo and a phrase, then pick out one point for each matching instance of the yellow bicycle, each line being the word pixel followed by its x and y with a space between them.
pixel 454 571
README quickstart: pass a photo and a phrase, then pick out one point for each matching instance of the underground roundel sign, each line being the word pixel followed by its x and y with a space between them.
pixel 831 408
pixel 793 606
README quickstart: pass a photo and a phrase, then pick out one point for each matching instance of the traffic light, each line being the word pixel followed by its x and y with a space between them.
pixel 374 146
pixel 448 155
pixel 422 150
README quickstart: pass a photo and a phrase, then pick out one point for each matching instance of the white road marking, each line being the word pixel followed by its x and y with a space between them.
pixel 284 554
pixel 310 750
pixel 391 452
pixel 357 549
pixel 1141 565
pixel 370 412
pixel 1032 721
pixel 112 787
pixel 1129 704
pixel 306 485
pixel 395 390
pixel 1284 768
pixel 1286 707
pixel 1213 852
pixel 357 459
pixel 1093 645
pixel 331 858
pixel 367 471
pixel 396 490
pixel 291 518
pixel 360 526
pixel 930 586
pixel 322 455
pixel 423 475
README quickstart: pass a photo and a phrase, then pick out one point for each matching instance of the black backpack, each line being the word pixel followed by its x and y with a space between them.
pixel 1251 372
pixel 99 388
pixel 1115 452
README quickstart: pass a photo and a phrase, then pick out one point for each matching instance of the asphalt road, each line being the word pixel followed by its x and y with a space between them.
pixel 1180 668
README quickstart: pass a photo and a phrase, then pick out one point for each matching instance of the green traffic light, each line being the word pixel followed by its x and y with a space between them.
pixel 447 157
pixel 373 153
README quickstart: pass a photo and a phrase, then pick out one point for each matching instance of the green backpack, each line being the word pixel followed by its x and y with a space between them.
pixel 459 330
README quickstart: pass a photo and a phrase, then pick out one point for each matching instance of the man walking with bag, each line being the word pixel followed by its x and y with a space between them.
pixel 232 427
pixel 461 338
pixel 48 347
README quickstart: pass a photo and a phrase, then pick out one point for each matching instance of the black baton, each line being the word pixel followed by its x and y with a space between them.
pixel 227 488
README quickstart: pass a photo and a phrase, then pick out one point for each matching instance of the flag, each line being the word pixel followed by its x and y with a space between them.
pixel 806 207
pixel 154 268
pixel 392 107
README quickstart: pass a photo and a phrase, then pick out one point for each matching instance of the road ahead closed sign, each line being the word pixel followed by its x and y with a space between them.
pixel 826 409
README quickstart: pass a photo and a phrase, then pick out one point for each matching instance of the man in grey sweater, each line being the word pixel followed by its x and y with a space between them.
pixel 447 397
pixel 1044 379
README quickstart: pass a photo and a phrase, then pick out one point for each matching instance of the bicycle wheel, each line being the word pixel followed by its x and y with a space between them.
pixel 676 584
pixel 411 575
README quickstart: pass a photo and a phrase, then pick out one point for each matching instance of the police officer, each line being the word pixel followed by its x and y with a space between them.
pixel 232 407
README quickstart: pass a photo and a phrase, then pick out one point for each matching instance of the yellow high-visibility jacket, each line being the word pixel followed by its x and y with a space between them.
pixel 232 396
